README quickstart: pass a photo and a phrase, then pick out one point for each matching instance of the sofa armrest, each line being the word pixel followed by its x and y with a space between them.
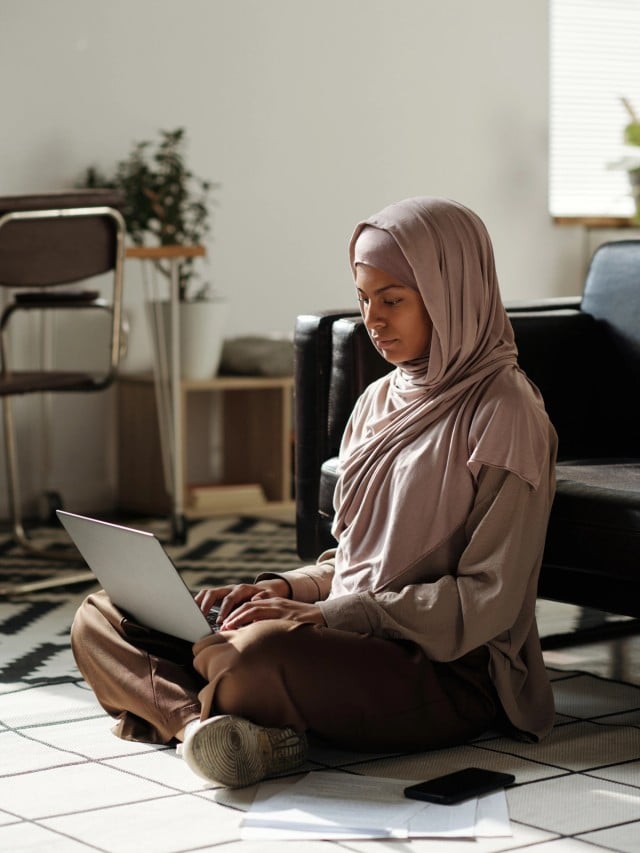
pixel 355 364
pixel 313 358
pixel 335 361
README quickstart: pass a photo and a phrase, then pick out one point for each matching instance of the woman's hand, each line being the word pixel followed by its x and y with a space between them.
pixel 267 607
pixel 243 603
pixel 228 598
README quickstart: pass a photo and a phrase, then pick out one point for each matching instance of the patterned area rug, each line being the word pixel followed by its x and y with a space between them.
pixel 34 627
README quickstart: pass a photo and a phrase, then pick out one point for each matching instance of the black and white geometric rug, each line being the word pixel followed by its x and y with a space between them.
pixel 34 628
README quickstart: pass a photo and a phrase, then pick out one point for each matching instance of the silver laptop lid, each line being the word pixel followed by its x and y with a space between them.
pixel 138 575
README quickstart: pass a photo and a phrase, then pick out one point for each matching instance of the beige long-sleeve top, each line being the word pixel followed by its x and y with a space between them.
pixel 478 588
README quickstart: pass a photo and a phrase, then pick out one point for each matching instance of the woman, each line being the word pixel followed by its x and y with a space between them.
pixel 419 630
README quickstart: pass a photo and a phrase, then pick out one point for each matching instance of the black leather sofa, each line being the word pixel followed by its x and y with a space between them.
pixel 584 355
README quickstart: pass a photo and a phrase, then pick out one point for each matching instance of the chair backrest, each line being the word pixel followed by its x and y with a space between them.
pixel 60 239
pixel 612 294
pixel 57 238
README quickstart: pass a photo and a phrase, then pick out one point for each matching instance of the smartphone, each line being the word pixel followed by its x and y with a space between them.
pixel 459 786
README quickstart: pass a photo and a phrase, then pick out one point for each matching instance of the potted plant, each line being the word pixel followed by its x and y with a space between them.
pixel 632 137
pixel 630 160
pixel 166 204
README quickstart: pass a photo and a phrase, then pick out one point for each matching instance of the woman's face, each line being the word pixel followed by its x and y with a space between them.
pixel 394 314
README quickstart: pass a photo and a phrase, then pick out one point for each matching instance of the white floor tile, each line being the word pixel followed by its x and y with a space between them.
pixel 91 738
pixel 581 746
pixel 183 822
pixel 627 774
pixel 77 787
pixel 426 765
pixel 22 755
pixel 586 696
pixel 31 837
pixel 625 839
pixel 49 704
pixel 575 804
pixel 631 718
pixel 522 836
pixel 286 847
pixel 164 767
pixel 561 845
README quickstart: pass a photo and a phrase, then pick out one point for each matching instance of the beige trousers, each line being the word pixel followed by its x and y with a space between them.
pixel 354 690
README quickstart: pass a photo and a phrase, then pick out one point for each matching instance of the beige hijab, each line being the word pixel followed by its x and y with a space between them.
pixel 418 437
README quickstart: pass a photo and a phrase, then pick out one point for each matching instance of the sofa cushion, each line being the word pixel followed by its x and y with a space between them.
pixel 328 481
pixel 595 519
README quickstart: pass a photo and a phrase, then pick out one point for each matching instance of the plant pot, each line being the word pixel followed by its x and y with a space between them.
pixel 202 326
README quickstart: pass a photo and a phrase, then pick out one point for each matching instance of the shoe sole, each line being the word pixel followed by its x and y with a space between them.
pixel 236 752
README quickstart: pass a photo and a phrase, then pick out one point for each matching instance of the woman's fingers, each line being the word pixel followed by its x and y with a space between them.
pixel 260 608
pixel 229 598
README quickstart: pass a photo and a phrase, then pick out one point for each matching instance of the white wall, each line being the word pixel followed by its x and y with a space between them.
pixel 312 115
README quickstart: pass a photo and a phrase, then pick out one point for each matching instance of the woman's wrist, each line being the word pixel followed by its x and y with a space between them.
pixel 277 586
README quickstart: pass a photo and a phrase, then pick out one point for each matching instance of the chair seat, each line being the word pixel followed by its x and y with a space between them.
pixel 26 382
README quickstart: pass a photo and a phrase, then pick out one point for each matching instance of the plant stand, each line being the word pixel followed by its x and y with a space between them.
pixel 167 372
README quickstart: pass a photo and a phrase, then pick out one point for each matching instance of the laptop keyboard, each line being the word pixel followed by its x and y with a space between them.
pixel 211 618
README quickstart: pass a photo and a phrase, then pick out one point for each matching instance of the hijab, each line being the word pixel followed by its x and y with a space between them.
pixel 418 437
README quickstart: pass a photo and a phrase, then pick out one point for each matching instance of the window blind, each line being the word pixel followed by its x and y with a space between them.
pixel 594 63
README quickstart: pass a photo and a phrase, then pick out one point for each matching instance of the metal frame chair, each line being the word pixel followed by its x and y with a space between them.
pixel 48 245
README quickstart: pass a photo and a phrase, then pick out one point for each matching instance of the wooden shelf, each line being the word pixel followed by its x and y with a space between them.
pixel 160 253
pixel 597 221
pixel 256 426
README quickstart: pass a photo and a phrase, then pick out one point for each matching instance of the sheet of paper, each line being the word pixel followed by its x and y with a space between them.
pixel 483 817
pixel 333 805
pixel 492 816
pixel 435 821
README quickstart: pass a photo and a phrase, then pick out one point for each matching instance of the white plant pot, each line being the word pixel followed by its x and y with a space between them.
pixel 202 327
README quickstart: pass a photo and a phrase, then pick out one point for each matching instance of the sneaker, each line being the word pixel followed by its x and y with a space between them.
pixel 236 752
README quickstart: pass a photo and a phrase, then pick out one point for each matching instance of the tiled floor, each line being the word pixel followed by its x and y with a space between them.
pixel 616 658
pixel 66 784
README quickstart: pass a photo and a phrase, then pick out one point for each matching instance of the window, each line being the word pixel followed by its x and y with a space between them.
pixel 595 62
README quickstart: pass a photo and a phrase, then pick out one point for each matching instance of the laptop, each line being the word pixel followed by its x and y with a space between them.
pixel 139 576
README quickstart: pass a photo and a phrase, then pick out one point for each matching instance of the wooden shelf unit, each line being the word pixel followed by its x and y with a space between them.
pixel 256 445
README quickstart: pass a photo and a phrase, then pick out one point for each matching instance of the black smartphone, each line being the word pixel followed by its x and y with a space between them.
pixel 459 786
